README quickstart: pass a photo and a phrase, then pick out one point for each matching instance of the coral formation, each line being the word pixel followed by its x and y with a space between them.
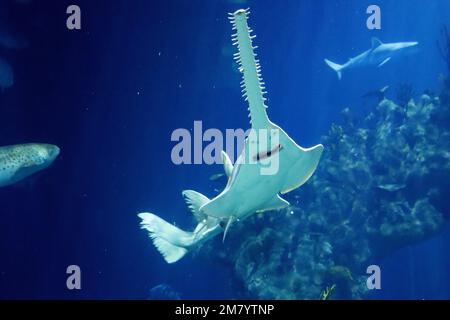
pixel 163 292
pixel 380 186
pixel 326 294
pixel 443 46
pixel 404 94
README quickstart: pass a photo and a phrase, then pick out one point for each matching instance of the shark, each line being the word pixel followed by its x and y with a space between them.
pixel 22 160
pixel 378 55
pixel 255 184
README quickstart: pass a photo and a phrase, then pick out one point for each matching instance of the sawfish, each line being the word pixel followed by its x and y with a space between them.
pixel 270 164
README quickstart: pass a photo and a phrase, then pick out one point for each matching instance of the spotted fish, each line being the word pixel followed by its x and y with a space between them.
pixel 22 160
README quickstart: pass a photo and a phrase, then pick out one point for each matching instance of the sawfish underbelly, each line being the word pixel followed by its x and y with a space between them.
pixel 250 199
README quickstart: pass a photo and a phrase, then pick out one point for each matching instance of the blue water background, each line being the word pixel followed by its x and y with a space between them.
pixel 110 96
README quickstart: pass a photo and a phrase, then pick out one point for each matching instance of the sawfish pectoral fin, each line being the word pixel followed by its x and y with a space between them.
pixel 303 168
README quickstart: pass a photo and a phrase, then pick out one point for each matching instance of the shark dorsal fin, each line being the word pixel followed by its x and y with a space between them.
pixel 376 42
pixel 252 83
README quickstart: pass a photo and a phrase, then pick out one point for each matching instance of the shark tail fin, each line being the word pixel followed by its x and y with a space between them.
pixel 336 67
pixel 170 241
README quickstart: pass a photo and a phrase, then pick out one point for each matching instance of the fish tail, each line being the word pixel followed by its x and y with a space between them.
pixel 170 241
pixel 336 67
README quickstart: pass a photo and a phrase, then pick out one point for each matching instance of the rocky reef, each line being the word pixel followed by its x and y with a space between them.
pixel 443 46
pixel 382 184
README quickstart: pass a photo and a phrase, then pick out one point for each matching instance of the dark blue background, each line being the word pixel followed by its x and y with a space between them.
pixel 110 96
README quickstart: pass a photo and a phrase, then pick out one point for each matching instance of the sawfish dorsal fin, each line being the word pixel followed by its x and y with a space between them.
pixel 227 164
pixel 376 42
pixel 195 200
pixel 252 83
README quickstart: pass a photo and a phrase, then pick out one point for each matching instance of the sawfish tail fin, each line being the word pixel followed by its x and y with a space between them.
pixel 336 67
pixel 171 242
